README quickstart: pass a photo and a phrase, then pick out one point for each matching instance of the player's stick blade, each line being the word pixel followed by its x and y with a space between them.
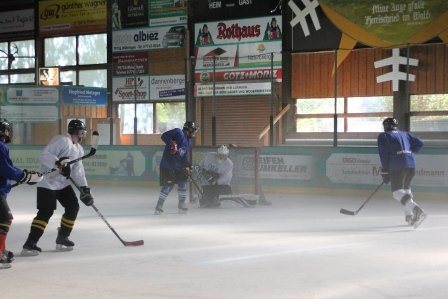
pixel 347 212
pixel 133 243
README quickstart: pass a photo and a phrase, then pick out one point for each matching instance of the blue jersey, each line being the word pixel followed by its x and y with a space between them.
pixel 181 158
pixel 7 170
pixel 396 150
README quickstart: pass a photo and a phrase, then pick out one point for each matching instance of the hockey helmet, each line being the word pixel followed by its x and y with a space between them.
pixel 223 151
pixel 5 130
pixel 390 124
pixel 190 127
pixel 77 127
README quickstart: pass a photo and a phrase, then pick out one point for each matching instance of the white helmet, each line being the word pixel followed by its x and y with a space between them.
pixel 223 150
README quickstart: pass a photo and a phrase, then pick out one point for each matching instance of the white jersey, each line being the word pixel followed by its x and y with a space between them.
pixel 223 167
pixel 58 147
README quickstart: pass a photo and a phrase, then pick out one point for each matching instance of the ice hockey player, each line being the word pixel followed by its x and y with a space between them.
pixel 217 169
pixel 396 150
pixel 175 165
pixel 9 172
pixel 56 187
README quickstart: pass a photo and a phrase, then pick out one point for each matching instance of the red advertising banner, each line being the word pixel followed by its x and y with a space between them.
pixel 239 75
pixel 238 50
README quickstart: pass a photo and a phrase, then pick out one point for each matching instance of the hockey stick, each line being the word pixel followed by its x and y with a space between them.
pixel 193 180
pixel 196 185
pixel 94 145
pixel 125 243
pixel 352 213
pixel 95 140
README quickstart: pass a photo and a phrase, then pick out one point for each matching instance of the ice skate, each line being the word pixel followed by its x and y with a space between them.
pixel 63 243
pixel 215 204
pixel 8 255
pixel 5 265
pixel 408 219
pixel 159 209
pixel 264 202
pixel 30 249
pixel 4 262
pixel 419 216
pixel 182 206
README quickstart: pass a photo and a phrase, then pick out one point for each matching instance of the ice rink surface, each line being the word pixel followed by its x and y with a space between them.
pixel 300 247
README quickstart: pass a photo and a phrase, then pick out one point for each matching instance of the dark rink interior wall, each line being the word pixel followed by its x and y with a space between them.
pixel 282 169
pixel 313 76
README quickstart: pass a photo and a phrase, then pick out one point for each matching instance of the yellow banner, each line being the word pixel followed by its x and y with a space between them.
pixel 382 23
pixel 72 16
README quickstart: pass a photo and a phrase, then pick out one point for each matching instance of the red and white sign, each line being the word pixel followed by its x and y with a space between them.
pixel 238 50
pixel 239 31
pixel 239 75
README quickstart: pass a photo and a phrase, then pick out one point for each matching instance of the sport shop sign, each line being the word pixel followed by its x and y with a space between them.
pixel 130 88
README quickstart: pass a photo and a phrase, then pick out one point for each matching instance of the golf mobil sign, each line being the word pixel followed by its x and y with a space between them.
pixel 353 168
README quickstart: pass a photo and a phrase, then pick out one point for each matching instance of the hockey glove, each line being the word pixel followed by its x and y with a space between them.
pixel 386 177
pixel 188 171
pixel 31 177
pixel 173 147
pixel 86 197
pixel 64 169
pixel 212 177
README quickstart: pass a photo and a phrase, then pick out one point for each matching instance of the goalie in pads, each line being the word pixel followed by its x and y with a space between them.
pixel 217 169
